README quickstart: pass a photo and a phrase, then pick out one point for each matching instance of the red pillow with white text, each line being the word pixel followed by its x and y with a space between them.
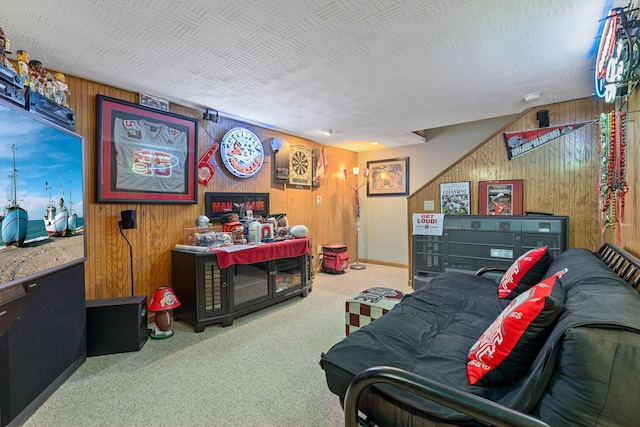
pixel 525 272
pixel 505 351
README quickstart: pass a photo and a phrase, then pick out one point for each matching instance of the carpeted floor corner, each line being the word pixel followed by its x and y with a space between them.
pixel 261 371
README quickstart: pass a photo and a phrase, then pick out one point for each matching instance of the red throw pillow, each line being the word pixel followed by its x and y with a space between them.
pixel 525 272
pixel 505 351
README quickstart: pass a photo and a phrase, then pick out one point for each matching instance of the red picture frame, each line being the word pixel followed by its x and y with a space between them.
pixel 145 155
pixel 501 197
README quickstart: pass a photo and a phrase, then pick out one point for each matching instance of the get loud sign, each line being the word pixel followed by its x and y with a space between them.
pixel 428 224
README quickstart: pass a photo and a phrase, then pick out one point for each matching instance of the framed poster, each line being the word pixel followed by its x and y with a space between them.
pixel 145 155
pixel 454 198
pixel 388 177
pixel 218 204
pixel 500 197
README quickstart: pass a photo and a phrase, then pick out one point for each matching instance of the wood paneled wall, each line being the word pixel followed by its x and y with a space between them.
pixel 161 226
pixel 560 177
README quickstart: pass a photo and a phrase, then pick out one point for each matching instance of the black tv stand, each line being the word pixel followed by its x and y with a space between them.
pixel 210 291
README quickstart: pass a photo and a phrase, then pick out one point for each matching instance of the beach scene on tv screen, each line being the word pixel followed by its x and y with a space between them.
pixel 41 196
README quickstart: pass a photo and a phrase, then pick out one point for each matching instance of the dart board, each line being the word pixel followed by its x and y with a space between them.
pixel 300 166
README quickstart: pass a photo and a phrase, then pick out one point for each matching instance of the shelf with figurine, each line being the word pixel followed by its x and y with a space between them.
pixel 31 86
pixel 38 103
pixel 11 84
pixel 47 93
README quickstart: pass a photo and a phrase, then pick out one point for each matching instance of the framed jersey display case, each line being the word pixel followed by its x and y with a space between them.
pixel 145 155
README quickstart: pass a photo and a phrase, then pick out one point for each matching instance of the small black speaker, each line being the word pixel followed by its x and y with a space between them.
pixel 128 219
pixel 116 325
pixel 543 118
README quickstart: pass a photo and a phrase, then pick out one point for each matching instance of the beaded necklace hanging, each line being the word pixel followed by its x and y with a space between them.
pixel 611 170
pixel 621 185
pixel 613 167
pixel 607 123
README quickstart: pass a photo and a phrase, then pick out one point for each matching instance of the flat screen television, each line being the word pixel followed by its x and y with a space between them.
pixel 41 200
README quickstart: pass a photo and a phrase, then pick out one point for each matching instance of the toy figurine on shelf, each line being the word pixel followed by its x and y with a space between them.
pixel 4 50
pixel 23 66
pixel 2 39
pixel 50 87
pixel 37 76
pixel 62 93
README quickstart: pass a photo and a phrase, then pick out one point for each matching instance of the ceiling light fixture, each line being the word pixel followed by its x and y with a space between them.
pixel 533 96
pixel 328 132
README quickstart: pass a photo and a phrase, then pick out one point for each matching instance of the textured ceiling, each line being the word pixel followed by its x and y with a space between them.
pixel 372 70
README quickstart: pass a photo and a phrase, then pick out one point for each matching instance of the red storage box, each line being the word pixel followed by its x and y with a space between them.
pixel 335 258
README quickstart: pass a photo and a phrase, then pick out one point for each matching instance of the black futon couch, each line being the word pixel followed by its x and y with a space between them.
pixel 585 371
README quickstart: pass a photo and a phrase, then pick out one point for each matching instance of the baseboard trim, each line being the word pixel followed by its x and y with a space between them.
pixel 388 264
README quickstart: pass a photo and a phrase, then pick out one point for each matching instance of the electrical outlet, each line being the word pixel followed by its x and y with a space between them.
pixel 318 200
pixel 319 249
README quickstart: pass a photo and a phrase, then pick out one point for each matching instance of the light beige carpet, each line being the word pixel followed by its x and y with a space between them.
pixel 261 371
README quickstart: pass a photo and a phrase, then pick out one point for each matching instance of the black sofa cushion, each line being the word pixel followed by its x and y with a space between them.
pixel 594 296
pixel 579 393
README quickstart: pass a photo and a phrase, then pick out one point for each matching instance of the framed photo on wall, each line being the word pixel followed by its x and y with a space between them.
pixel 145 155
pixel 455 198
pixel 500 197
pixel 388 177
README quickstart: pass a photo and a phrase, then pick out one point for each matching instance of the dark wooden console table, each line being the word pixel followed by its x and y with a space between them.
pixel 218 286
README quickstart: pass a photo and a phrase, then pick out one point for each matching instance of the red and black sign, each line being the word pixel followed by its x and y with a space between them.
pixel 218 204
pixel 521 142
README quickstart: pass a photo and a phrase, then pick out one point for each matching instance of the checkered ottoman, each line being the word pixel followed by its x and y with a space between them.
pixel 368 306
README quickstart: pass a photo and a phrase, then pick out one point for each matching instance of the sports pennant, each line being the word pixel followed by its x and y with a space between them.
pixel 521 142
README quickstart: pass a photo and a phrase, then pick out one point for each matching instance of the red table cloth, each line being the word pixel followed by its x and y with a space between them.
pixel 263 252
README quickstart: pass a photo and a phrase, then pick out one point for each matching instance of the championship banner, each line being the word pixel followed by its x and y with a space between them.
pixel 519 143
